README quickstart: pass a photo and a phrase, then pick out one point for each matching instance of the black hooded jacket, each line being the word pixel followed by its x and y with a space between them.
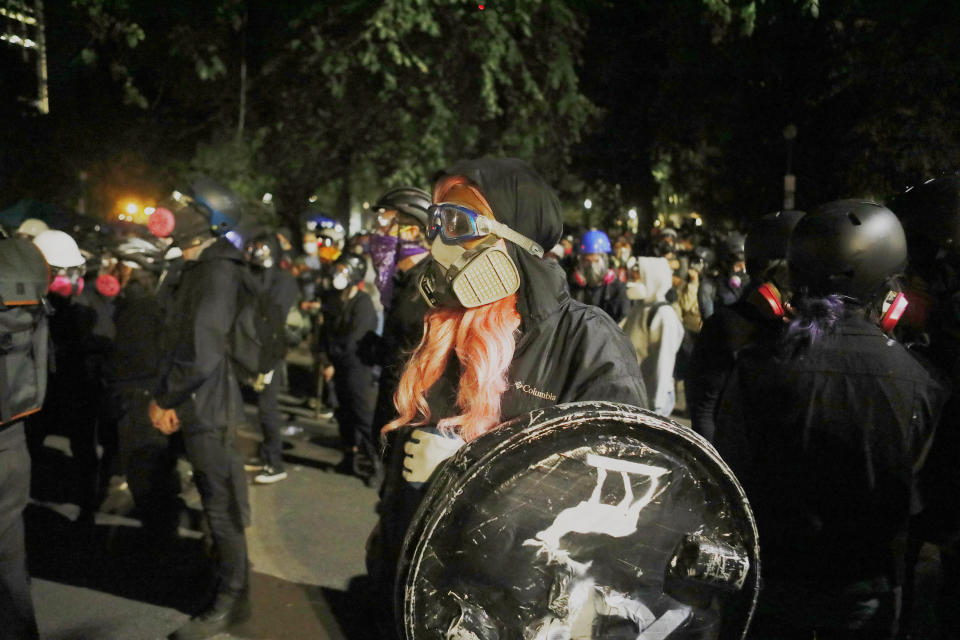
pixel 197 377
pixel 565 351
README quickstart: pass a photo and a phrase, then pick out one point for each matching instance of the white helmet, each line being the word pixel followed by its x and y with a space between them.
pixel 59 249
pixel 31 227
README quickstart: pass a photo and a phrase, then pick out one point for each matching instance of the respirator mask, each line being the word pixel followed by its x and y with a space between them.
pixel 68 281
pixel 460 277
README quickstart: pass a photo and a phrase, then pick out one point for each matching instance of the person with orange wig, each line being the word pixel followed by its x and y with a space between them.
pixel 503 337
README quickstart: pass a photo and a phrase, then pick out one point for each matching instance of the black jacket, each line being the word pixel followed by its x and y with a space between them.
pixel 402 332
pixel 135 360
pixel 566 350
pixel 197 377
pixel 344 324
pixel 724 334
pixel 828 445
pixel 612 297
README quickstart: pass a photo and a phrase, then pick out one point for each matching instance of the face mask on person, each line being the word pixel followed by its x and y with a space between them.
pixel 594 270
pixel 340 281
pixel 67 285
pixel 107 285
pixel 460 277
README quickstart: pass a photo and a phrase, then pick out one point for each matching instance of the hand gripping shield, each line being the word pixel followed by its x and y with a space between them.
pixel 584 520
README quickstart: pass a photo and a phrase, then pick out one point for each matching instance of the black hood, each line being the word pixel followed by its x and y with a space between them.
pixel 222 249
pixel 521 199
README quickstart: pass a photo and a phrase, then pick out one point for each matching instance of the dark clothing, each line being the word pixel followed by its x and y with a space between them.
pixel 402 332
pixel 723 336
pixel 197 378
pixel 612 297
pixel 828 444
pixel 17 619
pixel 726 294
pixel 566 350
pixel 345 322
pixel 146 456
pixel 283 289
pixel 222 483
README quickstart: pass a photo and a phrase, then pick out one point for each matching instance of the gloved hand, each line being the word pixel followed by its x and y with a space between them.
pixel 426 449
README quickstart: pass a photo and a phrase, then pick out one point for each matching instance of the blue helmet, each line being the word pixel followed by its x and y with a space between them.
pixel 595 241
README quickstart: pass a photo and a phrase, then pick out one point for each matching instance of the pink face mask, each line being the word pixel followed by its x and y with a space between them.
pixel 63 286
pixel 107 285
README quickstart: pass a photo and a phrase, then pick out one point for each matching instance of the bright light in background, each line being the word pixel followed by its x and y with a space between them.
pixel 588 203
pixel 366 205
pixel 267 198
pixel 698 222
pixel 132 208
pixel 632 214
pixel 312 199
pixel 149 210
pixel 177 196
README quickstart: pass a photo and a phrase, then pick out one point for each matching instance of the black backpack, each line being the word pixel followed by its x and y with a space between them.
pixel 257 339
pixel 24 332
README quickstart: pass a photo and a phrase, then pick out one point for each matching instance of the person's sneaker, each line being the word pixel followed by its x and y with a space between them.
pixel 225 611
pixel 270 475
pixel 254 463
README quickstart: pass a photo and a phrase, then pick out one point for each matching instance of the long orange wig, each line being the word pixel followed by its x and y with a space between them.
pixel 483 339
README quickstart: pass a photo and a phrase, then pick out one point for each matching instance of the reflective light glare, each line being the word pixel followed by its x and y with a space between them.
pixel 132 208
pixel 588 203
pixel 149 210
pixel 312 199
pixel 632 214
pixel 267 198
pixel 177 196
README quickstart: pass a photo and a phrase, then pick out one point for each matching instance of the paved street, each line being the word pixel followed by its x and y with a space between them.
pixel 306 548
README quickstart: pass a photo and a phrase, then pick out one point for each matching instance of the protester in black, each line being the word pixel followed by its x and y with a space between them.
pixel 542 347
pixel 827 432
pixel 758 316
pixel 199 395
pixel 348 314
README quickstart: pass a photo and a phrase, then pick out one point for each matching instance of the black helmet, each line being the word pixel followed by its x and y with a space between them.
pixel 930 214
pixel 356 267
pixel 767 240
pixel 847 247
pixel 409 201
pixel 733 246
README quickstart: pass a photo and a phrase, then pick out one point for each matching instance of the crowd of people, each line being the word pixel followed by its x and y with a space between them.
pixel 816 357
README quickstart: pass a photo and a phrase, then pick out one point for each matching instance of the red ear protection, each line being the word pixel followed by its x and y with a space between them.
pixel 161 222
pixel 610 277
pixel 893 307
pixel 766 297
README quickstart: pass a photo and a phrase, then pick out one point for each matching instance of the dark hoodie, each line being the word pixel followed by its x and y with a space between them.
pixel 196 377
pixel 566 351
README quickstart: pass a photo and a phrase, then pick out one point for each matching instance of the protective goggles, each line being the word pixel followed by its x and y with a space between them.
pixel 455 224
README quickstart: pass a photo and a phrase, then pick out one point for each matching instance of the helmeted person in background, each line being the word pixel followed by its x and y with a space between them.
pixel 24 278
pixel 733 278
pixel 30 228
pixel 73 400
pixel 655 329
pixel 703 261
pixel 622 252
pixel 147 458
pixel 930 213
pixel 198 392
pixel 758 316
pixel 263 255
pixel 503 337
pixel 348 314
pixel 399 250
pixel 593 281
pixel 828 429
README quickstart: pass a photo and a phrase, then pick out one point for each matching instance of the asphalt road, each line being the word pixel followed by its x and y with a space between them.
pixel 107 581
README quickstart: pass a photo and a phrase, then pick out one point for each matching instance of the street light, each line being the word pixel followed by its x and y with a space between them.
pixel 588 203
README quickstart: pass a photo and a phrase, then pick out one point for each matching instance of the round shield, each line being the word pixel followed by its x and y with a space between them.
pixel 584 520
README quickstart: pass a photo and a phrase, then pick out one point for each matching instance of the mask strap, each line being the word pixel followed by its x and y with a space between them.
pixel 516 238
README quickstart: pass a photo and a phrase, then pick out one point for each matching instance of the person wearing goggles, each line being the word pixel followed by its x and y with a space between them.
pixel 502 337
